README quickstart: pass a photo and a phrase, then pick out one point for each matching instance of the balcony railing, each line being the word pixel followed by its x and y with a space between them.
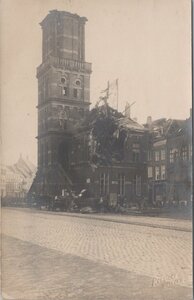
pixel 69 64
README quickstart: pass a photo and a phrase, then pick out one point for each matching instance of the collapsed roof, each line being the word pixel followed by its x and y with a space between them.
pixel 107 130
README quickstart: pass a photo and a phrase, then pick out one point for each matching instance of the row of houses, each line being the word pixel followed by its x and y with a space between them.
pixel 16 179
pixel 134 163
pixel 107 153
pixel 170 161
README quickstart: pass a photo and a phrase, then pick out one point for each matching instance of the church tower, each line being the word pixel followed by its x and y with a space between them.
pixel 63 93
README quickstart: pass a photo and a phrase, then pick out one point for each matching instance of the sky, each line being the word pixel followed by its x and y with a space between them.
pixel 146 44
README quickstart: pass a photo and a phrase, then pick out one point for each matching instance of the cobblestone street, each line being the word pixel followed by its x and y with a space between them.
pixel 59 256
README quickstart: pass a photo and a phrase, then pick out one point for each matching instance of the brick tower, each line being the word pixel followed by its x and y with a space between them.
pixel 63 96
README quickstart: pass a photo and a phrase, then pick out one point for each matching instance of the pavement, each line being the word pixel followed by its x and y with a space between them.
pixel 62 256
pixel 157 222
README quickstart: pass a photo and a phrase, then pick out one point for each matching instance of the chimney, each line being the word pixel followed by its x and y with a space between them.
pixel 149 121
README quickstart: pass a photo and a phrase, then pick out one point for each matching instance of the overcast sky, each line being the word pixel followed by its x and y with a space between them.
pixel 144 43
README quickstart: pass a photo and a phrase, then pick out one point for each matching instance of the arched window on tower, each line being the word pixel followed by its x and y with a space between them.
pixel 64 86
pixel 75 93
pixel 65 91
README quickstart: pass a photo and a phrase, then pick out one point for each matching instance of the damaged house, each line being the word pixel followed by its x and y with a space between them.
pixel 108 157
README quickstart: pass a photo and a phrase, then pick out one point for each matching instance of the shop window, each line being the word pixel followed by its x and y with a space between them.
pixel 138 185
pixel 104 184
pixel 121 186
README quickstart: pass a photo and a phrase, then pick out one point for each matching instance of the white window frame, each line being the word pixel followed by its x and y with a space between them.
pixel 163 154
pixel 157 155
pixel 184 153
pixel 173 155
pixel 104 184
pixel 150 172
pixel 157 173
pixel 149 153
pixel 163 172
pixel 121 184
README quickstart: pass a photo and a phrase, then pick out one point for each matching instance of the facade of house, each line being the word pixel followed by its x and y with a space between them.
pixel 179 168
pixel 170 161
pixel 118 178
pixel 157 161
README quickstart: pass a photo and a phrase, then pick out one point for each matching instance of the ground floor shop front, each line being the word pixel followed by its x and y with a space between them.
pixel 170 193
pixel 123 185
